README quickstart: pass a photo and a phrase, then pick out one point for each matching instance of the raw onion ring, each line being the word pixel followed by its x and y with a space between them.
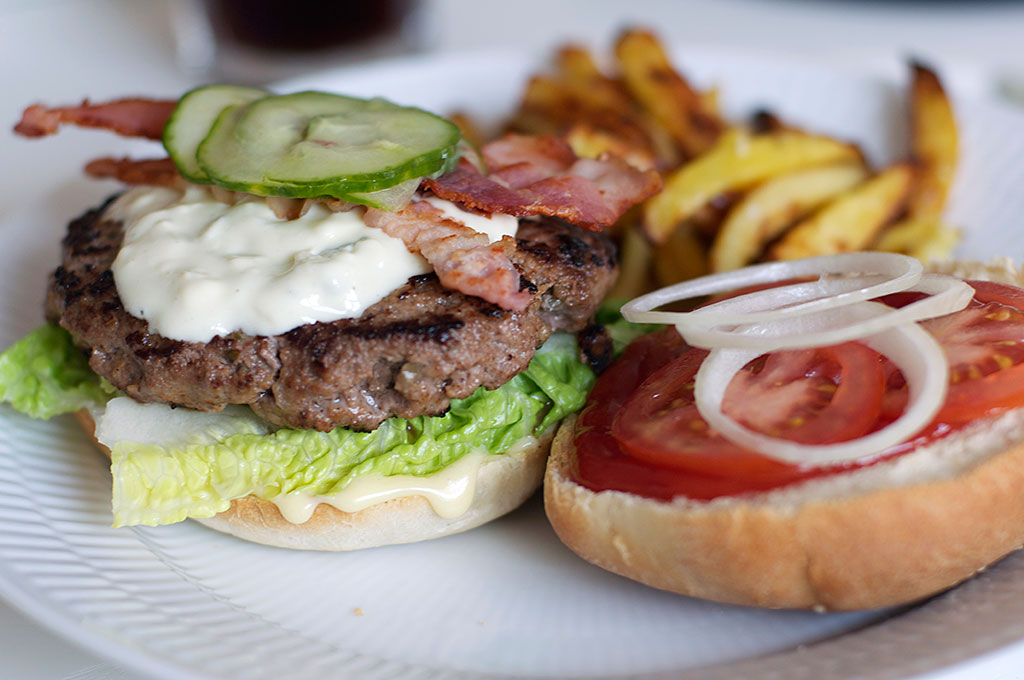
pixel 945 295
pixel 916 353
pixel 901 271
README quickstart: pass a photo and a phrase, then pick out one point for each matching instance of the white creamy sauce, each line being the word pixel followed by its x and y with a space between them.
pixel 449 491
pixel 195 267
pixel 495 226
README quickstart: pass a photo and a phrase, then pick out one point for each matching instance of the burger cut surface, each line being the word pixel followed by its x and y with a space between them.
pixel 407 355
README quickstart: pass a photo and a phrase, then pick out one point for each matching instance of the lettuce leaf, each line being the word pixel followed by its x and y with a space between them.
pixel 156 484
pixel 44 374
pixel 622 332
pixel 171 464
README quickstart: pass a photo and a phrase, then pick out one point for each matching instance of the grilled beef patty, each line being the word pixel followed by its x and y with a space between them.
pixel 407 355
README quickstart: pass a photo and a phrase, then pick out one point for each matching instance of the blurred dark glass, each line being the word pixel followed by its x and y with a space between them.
pixel 305 25
pixel 261 41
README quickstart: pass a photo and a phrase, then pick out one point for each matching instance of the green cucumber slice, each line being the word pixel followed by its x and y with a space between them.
pixel 313 144
pixel 191 120
pixel 391 199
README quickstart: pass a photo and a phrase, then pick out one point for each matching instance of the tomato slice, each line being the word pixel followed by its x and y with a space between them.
pixel 823 395
pixel 984 345
pixel 641 431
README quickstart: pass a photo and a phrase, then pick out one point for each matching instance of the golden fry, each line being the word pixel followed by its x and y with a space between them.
pixel 546 94
pixel 551 106
pixel 926 238
pixel 576 63
pixel 737 161
pixel 635 267
pixel 933 142
pixel 765 120
pixel 853 220
pixel 589 142
pixel 683 256
pixel 661 90
pixel 766 211
pixel 710 100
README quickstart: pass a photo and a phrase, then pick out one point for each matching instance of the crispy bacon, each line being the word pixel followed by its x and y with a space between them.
pixel 128 117
pixel 542 176
pixel 463 259
pixel 159 172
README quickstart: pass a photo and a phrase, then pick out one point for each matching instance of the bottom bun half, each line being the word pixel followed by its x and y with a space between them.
pixel 502 485
pixel 888 534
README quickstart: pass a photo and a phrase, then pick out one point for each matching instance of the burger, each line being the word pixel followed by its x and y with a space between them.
pixel 323 322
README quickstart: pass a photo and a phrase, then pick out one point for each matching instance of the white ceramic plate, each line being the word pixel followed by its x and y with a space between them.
pixel 504 600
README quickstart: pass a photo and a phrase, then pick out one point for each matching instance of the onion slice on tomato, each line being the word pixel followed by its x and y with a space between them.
pixel 824 327
pixel 916 353
pixel 894 273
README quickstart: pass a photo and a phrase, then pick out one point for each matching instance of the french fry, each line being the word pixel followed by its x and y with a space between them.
pixel 731 192
pixel 766 211
pixel 852 221
pixel 576 62
pixel 683 256
pixel 635 266
pixel 546 94
pixel 926 238
pixel 737 161
pixel 710 100
pixel 589 142
pixel 582 77
pixel 551 106
pixel 661 90
pixel 933 142
pixel 765 120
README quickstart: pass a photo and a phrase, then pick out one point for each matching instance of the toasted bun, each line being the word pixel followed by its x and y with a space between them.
pixel 502 485
pixel 887 534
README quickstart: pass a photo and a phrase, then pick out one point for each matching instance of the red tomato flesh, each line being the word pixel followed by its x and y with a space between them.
pixel 641 432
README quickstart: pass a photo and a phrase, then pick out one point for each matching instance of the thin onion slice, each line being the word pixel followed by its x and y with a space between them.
pixel 790 300
pixel 945 295
pixel 916 353
pixel 898 273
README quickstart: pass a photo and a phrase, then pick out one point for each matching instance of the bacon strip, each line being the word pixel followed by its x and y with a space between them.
pixel 542 176
pixel 463 259
pixel 134 117
pixel 159 172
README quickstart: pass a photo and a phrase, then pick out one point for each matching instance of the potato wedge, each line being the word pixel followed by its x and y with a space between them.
pixel 737 161
pixel 682 257
pixel 598 92
pixel 635 266
pixel 766 120
pixel 926 238
pixel 661 90
pixel 576 63
pixel 552 105
pixel 933 142
pixel 766 211
pixel 589 142
pixel 852 221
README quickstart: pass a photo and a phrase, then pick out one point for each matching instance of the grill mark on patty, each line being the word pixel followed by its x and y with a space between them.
pixel 438 329
pixel 408 355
